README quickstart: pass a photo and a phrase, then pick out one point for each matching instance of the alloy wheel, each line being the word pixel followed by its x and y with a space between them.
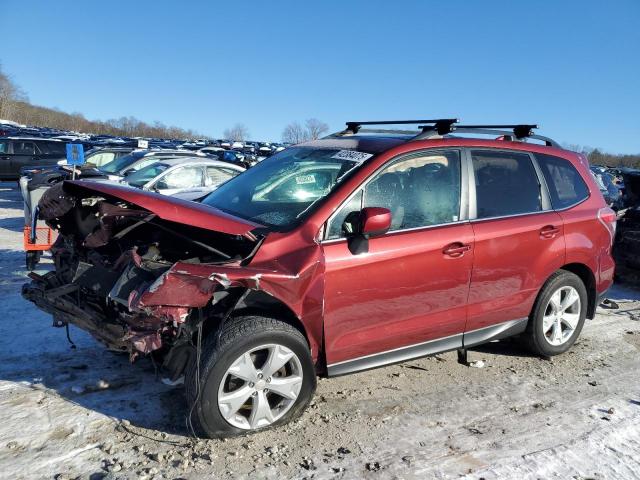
pixel 260 386
pixel 561 316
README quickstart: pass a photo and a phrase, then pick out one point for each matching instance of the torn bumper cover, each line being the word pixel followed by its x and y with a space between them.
pixel 129 273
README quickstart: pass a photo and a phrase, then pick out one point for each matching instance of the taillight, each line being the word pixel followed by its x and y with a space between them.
pixel 608 218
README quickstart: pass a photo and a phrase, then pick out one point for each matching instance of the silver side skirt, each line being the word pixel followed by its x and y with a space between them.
pixel 432 347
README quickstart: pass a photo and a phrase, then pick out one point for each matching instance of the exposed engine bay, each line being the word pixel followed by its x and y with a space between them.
pixel 136 281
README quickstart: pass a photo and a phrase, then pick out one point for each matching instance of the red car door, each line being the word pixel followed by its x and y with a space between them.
pixel 406 297
pixel 519 243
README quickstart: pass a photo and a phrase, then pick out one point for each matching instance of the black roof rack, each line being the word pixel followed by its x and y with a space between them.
pixel 354 127
pixel 444 126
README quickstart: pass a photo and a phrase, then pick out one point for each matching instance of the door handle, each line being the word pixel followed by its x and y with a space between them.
pixel 456 249
pixel 549 231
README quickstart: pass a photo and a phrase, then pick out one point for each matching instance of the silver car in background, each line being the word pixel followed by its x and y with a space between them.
pixel 185 178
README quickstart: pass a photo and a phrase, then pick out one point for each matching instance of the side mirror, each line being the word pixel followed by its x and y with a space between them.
pixel 375 221
pixel 362 225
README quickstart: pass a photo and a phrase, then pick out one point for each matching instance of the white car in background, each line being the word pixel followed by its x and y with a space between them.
pixel 185 178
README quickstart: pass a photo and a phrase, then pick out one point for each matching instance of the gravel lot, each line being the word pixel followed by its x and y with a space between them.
pixel 87 413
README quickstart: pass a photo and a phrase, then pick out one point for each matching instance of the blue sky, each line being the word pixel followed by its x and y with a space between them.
pixel 571 66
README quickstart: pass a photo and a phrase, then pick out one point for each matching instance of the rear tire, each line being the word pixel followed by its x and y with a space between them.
pixel 243 366
pixel 558 315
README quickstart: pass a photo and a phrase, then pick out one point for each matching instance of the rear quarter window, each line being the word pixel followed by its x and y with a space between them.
pixel 566 186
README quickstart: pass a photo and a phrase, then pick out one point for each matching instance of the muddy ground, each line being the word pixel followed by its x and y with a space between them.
pixel 87 413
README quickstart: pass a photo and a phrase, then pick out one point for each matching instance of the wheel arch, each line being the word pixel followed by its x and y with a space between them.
pixel 261 302
pixel 588 278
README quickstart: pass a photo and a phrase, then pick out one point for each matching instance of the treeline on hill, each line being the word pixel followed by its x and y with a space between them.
pixel 15 106
pixel 598 157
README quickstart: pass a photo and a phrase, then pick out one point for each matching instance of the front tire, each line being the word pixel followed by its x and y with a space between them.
pixel 260 375
pixel 558 315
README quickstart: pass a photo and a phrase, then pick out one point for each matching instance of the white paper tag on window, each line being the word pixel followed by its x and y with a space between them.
pixel 352 155
pixel 303 179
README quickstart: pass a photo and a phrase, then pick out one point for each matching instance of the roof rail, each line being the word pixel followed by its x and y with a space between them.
pixel 354 127
pixel 520 131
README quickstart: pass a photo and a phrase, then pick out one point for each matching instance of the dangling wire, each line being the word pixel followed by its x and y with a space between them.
pixel 198 351
pixel 73 345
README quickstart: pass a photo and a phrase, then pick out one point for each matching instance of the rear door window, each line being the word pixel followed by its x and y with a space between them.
pixel 100 159
pixel 506 184
pixel 24 148
pixel 566 186
pixel 44 147
pixel 218 175
pixel 4 147
pixel 147 161
pixel 182 177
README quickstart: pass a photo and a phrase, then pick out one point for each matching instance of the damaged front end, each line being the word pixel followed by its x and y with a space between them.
pixel 123 264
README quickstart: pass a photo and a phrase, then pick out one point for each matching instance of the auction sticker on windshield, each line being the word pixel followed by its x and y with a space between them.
pixel 303 179
pixel 352 155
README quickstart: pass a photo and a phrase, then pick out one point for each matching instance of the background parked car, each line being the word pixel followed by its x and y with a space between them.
pixel 99 157
pixel 610 191
pixel 138 159
pixel 18 152
pixel 187 178
pixel 229 156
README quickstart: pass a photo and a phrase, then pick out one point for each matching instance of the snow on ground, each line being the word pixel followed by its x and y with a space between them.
pixel 88 413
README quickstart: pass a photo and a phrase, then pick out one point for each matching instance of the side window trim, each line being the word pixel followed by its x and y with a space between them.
pixel 463 215
pixel 327 224
pixel 545 199
pixel 544 188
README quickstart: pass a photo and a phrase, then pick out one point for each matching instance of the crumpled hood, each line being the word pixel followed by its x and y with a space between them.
pixel 169 208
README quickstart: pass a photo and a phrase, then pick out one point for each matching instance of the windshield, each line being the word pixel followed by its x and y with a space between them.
pixel 280 189
pixel 121 163
pixel 146 174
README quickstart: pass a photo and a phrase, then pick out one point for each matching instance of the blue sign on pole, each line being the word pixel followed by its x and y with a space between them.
pixel 75 153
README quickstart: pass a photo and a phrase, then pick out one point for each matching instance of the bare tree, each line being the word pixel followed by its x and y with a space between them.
pixel 312 130
pixel 10 93
pixel 294 133
pixel 315 128
pixel 238 133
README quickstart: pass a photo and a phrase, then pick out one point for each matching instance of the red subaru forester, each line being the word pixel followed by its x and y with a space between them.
pixel 364 248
